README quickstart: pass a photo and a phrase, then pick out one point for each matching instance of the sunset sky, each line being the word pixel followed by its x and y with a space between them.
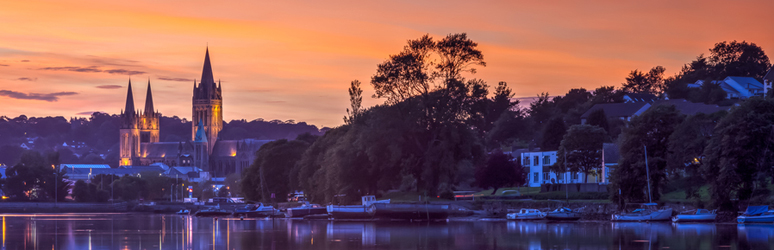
pixel 293 60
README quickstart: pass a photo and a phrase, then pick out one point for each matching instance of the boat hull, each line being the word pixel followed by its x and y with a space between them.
pixel 755 219
pixel 659 215
pixel 253 214
pixel 694 218
pixel 301 212
pixel 516 216
pixel 409 211
pixel 355 212
pixel 563 216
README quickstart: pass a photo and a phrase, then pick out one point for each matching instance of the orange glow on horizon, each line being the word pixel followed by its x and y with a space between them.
pixel 294 61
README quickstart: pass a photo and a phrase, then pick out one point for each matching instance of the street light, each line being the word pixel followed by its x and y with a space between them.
pixel 56 188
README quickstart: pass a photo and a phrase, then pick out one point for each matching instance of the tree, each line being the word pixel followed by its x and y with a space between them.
pixel 270 171
pixel 356 102
pixel 35 178
pixel 599 118
pixel 651 129
pixel 739 59
pixel 553 134
pixel 130 188
pixel 582 148
pixel 572 99
pixel 606 94
pixel 740 152
pixel 542 109
pixel 500 171
pixel 686 149
pixel 81 192
pixel 651 82
pixel 511 127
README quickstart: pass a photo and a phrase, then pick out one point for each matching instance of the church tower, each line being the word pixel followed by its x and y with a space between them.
pixel 129 141
pixel 201 155
pixel 137 128
pixel 207 105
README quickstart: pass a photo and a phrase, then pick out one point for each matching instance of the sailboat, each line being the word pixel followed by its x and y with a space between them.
pixel 647 211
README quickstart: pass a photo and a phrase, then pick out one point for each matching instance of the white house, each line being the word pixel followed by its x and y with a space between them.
pixel 537 164
pixel 768 81
pixel 737 87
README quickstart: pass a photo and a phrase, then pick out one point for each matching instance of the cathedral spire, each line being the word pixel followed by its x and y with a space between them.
pixel 207 79
pixel 129 109
pixel 149 101
pixel 200 133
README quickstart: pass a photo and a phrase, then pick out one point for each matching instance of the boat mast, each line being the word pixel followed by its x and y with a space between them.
pixel 647 172
pixel 566 185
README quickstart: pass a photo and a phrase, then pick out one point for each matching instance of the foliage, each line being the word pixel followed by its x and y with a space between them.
pixel 130 188
pixel 599 118
pixel 35 177
pixel 512 126
pixel 552 134
pixel 582 147
pixel 89 192
pixel 651 129
pixel 500 171
pixel 356 102
pixel 686 148
pixel 270 172
pixel 739 156
pixel 651 82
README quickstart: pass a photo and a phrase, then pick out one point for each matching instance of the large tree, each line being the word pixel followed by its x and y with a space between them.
pixel 35 177
pixel 500 171
pixel 686 149
pixel 582 149
pixel 651 82
pixel 270 172
pixel 651 129
pixel 553 133
pixel 741 151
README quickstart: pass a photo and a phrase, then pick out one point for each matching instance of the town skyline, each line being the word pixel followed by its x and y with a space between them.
pixel 293 61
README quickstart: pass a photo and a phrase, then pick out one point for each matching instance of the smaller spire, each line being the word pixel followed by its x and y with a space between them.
pixel 149 100
pixel 200 136
pixel 129 108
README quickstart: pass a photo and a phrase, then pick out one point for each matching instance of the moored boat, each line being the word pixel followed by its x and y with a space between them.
pixel 255 211
pixel 409 211
pixel 304 210
pixel 183 212
pixel 646 212
pixel 698 215
pixel 563 213
pixel 354 211
pixel 212 212
pixel 756 214
pixel 526 214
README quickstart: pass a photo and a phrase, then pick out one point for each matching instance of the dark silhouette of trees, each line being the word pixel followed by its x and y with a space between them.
pixel 35 177
pixel 686 149
pixel 582 146
pixel 356 102
pixel 553 133
pixel 272 170
pixel 599 118
pixel 651 82
pixel 500 171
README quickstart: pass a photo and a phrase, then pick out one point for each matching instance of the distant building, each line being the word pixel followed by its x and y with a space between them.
pixel 639 97
pixel 139 136
pixel 610 157
pixel 622 111
pixel 691 108
pixel 737 87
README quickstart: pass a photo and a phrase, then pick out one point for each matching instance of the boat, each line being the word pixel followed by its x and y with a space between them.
pixel 354 211
pixel 408 211
pixel 255 211
pixel 184 212
pixel 562 213
pixel 756 214
pixel 646 212
pixel 304 210
pixel 212 212
pixel 526 214
pixel 698 215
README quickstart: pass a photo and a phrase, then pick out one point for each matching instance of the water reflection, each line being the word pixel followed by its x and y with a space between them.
pixel 143 231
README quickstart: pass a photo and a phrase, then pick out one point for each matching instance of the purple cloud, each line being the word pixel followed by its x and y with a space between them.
pixel 176 79
pixel 109 87
pixel 50 97
pixel 27 79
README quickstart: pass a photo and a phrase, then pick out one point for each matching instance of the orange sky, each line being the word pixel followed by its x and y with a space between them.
pixel 293 60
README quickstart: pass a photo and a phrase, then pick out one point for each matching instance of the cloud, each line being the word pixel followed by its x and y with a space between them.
pixel 124 72
pixel 109 87
pixel 176 79
pixel 95 69
pixel 50 97
pixel 76 69
pixel 87 112
pixel 4 65
pixel 27 79
pixel 25 60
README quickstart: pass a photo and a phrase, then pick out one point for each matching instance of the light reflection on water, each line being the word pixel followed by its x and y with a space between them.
pixel 148 231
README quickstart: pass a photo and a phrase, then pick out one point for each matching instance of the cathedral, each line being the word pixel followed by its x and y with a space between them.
pixel 139 133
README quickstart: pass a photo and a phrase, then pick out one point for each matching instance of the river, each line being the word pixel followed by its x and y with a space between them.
pixel 156 231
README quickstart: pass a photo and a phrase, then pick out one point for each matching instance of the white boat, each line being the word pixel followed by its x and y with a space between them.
pixel 354 211
pixel 699 215
pixel 646 212
pixel 526 214
pixel 562 213
pixel 756 214
pixel 306 209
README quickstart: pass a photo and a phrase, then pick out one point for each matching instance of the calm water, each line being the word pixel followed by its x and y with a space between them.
pixel 144 231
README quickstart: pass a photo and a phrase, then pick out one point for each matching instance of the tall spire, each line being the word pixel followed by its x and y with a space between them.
pixel 207 77
pixel 200 133
pixel 129 109
pixel 149 101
